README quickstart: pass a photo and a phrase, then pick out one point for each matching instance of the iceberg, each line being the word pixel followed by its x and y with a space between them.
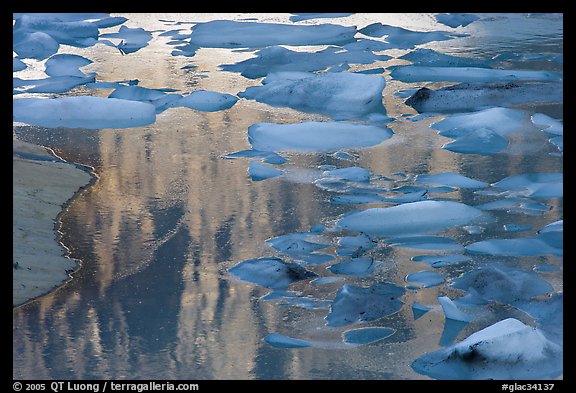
pixel 474 96
pixel 83 112
pixel 410 218
pixel 310 137
pixel 412 73
pixel 353 303
pixel 507 350
pixel 271 273
pixel 341 95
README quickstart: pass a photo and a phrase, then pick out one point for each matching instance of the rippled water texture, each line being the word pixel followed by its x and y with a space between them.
pixel 169 216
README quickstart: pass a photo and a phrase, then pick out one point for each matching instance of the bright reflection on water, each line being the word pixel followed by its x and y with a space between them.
pixel 168 216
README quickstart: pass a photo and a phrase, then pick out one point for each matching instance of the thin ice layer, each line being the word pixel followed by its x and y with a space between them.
pixel 342 95
pixel 83 112
pixel 411 74
pixel 311 137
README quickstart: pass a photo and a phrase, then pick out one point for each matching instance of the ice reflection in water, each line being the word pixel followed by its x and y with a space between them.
pixel 168 217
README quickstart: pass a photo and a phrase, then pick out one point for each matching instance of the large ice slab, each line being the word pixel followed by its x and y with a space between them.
pixel 341 95
pixel 354 303
pixel 36 45
pixel 468 74
pixel 315 136
pixel 271 273
pixel 502 283
pixel 508 349
pixel 404 38
pixel 474 96
pixel 83 112
pixel 278 58
pixel 233 34
pixel 410 218
pixel 70 32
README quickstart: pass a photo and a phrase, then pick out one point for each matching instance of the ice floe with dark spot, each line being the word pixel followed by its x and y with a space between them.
pixel 363 304
pixel 83 112
pixel 456 20
pixel 312 137
pixel 410 218
pixel 367 335
pixel 451 179
pixel 474 96
pixel 131 39
pixel 278 340
pixel 271 273
pixel 357 266
pixel 404 38
pixel 426 278
pixel 502 283
pixel 437 261
pixel 355 245
pixel 412 73
pixel 507 349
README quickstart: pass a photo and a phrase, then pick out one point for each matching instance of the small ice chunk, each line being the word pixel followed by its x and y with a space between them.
pixel 271 273
pixel 233 34
pixel 326 280
pixel 342 95
pixel 451 179
pixel 299 242
pixel 266 156
pixel 278 340
pixel 451 311
pixel 367 335
pixel 37 45
pixel 83 112
pixel 354 266
pixel 308 303
pixel 353 303
pixel 427 278
pixel 206 101
pixel 131 39
pixel 18 65
pixel 260 172
pixel 552 126
pixel 419 309
pixel 410 218
pixel 516 228
pixel 437 261
pixel 502 283
pixel 507 350
pixel 66 65
pixel 278 295
pixel 534 185
pixel 359 242
pixel 404 38
pixel 482 142
pixel 410 74
pixel 315 136
pixel 456 20
pixel 352 173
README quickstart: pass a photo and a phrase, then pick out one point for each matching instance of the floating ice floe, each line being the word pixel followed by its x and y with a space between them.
pixel 549 313
pixel 367 335
pixel 305 16
pixel 342 95
pixel 66 65
pixel 426 278
pixel 364 44
pixel 278 59
pixel 437 261
pixel 432 58
pixel 295 299
pixel 53 84
pixel 156 97
pixel 534 185
pixel 352 173
pixel 75 32
pixel 83 112
pixel 280 341
pixel 525 57
pixel 540 245
pixel 355 245
pixel 451 311
pixel 501 283
pixel 35 45
pixel 516 205
pixel 205 100
pixel 299 242
pixel 271 273
pixel 455 20
pixel 233 34
pixel 483 132
pixel 451 179
pixel 355 266
pixel 18 65
pixel 410 218
pixel 403 38
pixel 516 228
pixel 419 309
pixel 552 127
pixel 260 172
pixel 312 137
pixel 353 303
pixel 474 96
pixel 508 349
pixel 412 73
pixel 265 156
pixel 131 39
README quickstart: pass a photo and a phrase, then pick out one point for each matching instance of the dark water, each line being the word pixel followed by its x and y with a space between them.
pixel 168 216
